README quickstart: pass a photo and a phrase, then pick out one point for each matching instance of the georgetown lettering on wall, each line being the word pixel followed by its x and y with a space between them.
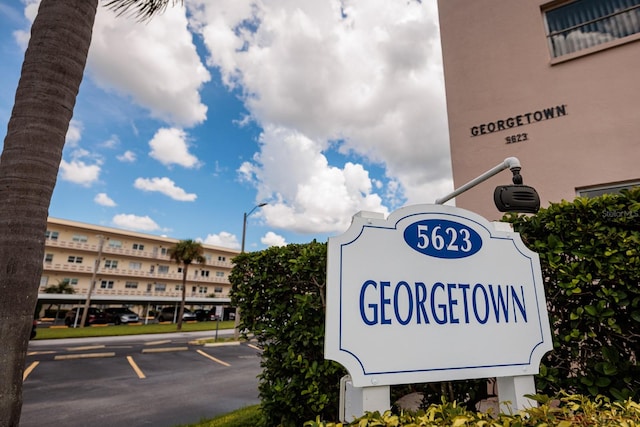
pixel 519 120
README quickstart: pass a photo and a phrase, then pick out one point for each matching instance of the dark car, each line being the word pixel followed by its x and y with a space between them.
pixel 167 314
pixel 120 315
pixel 94 317
pixel 203 315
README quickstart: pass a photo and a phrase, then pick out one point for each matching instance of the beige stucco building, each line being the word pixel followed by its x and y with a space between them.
pixel 554 84
pixel 129 268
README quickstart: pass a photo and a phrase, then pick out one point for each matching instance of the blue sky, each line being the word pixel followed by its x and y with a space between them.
pixel 184 123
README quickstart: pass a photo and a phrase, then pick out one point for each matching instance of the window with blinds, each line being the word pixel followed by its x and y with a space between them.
pixel 573 26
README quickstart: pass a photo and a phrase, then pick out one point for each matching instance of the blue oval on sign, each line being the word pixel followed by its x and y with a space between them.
pixel 441 238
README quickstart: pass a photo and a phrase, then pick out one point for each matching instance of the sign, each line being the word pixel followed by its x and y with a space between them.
pixel 433 293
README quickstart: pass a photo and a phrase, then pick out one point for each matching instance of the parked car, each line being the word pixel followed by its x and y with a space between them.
pixel 120 315
pixel 168 313
pixel 203 315
pixel 94 317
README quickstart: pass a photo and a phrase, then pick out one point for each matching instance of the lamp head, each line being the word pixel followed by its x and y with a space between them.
pixel 516 198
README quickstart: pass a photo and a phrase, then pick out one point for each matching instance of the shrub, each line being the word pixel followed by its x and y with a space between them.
pixel 563 411
pixel 280 292
pixel 589 253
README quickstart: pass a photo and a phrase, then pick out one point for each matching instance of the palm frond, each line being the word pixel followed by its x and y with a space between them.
pixel 142 9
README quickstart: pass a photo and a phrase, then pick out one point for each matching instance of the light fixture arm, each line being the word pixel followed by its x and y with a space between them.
pixel 509 163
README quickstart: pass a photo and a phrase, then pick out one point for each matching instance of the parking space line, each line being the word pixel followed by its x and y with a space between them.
pixel 38 353
pixel 135 367
pixel 83 356
pixel 254 347
pixel 29 370
pixel 213 358
pixel 164 349
pixel 87 347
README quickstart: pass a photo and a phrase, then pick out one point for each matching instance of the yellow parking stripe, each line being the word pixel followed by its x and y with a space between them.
pixel 213 358
pixel 135 367
pixel 83 356
pixel 29 370
pixel 164 349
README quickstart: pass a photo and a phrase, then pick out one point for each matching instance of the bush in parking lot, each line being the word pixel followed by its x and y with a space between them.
pixel 590 256
pixel 280 292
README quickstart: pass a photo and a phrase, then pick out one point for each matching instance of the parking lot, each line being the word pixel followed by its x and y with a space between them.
pixel 162 380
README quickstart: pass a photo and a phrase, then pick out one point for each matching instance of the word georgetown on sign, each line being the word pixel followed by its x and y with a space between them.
pixel 433 293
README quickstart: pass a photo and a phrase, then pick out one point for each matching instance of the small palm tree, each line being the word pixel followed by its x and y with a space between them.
pixel 185 252
pixel 62 287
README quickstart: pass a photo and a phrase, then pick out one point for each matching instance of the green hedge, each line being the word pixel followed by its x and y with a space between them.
pixel 563 411
pixel 589 253
pixel 280 292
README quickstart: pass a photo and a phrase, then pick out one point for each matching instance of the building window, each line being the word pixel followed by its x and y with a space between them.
pixel 48 258
pixel 135 266
pixel 106 284
pixel 75 259
pixel 163 269
pixel 71 281
pixel 138 247
pixel 217 289
pixel 131 285
pixel 163 251
pixel 179 269
pixel 178 287
pixel 115 244
pixel 51 235
pixel 578 25
pixel 219 273
pixel 222 258
pixel 161 287
pixel 110 263
pixel 605 189
pixel 202 289
pixel 204 273
pixel 79 238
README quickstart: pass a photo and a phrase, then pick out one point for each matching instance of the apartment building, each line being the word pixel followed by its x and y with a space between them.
pixel 128 268
pixel 553 83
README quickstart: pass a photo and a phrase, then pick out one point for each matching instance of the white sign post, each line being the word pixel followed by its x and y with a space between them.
pixel 434 293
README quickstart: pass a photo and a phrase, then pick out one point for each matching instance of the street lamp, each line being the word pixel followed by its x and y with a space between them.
pixel 244 234
pixel 244 223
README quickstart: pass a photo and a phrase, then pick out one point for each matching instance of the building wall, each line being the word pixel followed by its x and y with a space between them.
pixel 498 67
pixel 130 264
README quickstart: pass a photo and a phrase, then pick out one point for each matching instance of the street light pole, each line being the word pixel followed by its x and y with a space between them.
pixel 236 333
pixel 244 223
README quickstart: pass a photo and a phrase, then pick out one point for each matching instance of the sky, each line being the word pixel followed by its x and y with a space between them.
pixel 189 121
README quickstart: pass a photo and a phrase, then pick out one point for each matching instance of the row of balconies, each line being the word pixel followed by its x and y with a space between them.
pixel 109 250
pixel 110 272
pixel 136 292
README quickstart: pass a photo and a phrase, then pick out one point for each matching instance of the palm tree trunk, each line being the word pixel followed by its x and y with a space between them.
pixel 51 75
pixel 184 294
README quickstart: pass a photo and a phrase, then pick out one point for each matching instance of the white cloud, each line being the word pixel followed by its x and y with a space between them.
pixel 223 239
pixel 134 222
pixel 104 200
pixel 79 172
pixel 307 195
pixel 273 239
pixel 74 133
pixel 159 69
pixel 170 146
pixel 165 186
pixel 364 78
pixel 127 157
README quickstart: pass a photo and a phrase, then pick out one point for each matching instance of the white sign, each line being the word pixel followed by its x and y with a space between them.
pixel 433 293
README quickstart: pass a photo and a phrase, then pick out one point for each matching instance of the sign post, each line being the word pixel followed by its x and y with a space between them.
pixel 434 293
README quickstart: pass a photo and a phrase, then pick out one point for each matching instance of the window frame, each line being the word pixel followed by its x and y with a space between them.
pixel 559 58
